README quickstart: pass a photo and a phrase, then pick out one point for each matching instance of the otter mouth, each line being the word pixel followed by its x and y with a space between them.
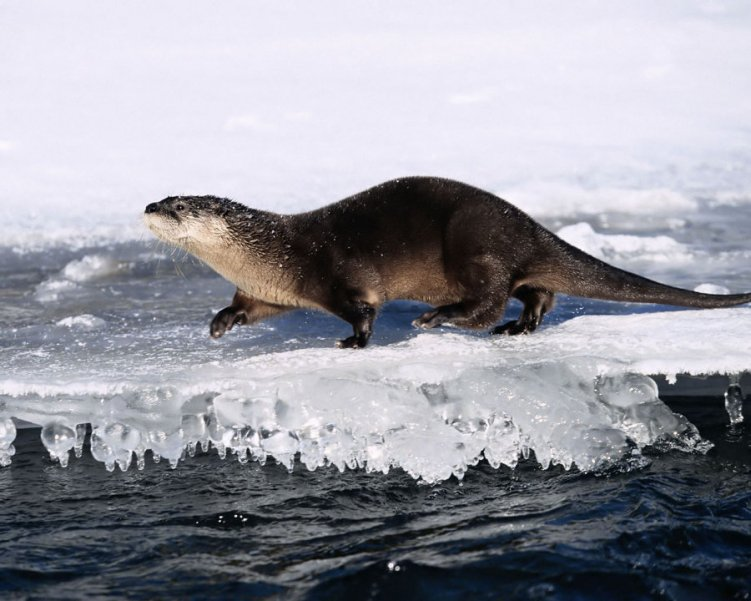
pixel 156 211
pixel 152 208
pixel 161 223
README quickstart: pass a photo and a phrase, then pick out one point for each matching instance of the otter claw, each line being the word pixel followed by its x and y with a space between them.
pixel 218 327
pixel 512 328
pixel 352 342
pixel 428 320
pixel 225 320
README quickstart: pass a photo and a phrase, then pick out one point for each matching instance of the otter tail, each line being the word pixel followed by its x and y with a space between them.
pixel 578 274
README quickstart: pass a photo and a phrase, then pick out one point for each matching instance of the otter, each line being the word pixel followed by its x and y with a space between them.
pixel 456 247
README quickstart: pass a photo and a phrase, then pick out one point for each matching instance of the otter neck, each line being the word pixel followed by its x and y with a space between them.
pixel 252 256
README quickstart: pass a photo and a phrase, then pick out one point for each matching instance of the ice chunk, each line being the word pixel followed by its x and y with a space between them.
pixel 77 273
pixel 92 267
pixel 711 289
pixel 283 445
pixel 734 403
pixel 83 322
pixel 7 436
pixel 50 291
pixel 80 439
pixel 433 406
pixel 503 443
pixel 621 248
pixel 559 199
pixel 101 451
pixel 114 444
pixel 643 416
pixel 58 439
pixel 169 445
pixel 194 432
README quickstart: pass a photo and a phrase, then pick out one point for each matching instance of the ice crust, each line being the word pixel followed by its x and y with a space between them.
pixel 432 406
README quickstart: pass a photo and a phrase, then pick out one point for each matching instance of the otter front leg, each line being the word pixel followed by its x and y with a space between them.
pixel 244 310
pixel 357 308
pixel 361 315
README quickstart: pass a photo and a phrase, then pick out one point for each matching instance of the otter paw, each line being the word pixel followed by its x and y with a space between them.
pixel 352 342
pixel 428 320
pixel 224 321
pixel 510 328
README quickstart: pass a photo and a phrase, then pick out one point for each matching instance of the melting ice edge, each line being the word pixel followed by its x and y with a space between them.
pixel 433 407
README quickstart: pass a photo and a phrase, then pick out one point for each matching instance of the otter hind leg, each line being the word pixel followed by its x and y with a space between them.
pixel 440 315
pixel 537 302
pixel 244 310
pixel 471 314
pixel 485 287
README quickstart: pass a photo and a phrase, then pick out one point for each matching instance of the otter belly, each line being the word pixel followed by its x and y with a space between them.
pixel 422 280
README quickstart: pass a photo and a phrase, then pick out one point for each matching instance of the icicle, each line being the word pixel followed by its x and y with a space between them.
pixel 194 432
pixel 80 439
pixel 58 439
pixel 140 452
pixel 7 436
pixel 734 401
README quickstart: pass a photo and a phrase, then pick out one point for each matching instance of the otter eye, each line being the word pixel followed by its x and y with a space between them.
pixel 180 207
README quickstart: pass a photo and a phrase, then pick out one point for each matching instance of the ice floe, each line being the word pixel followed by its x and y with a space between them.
pixel 576 394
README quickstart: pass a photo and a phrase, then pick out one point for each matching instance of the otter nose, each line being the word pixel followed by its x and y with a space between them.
pixel 152 208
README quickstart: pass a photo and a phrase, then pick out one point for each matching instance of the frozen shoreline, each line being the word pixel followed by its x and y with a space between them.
pixel 574 394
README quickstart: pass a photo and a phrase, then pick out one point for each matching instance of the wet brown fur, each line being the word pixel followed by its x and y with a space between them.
pixel 428 239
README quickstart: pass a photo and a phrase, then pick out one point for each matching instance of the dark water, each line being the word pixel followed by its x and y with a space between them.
pixel 678 529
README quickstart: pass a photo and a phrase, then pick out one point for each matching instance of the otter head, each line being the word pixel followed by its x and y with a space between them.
pixel 192 222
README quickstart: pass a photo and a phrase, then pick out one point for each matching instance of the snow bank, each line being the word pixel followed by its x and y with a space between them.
pixel 623 248
pixel 558 199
